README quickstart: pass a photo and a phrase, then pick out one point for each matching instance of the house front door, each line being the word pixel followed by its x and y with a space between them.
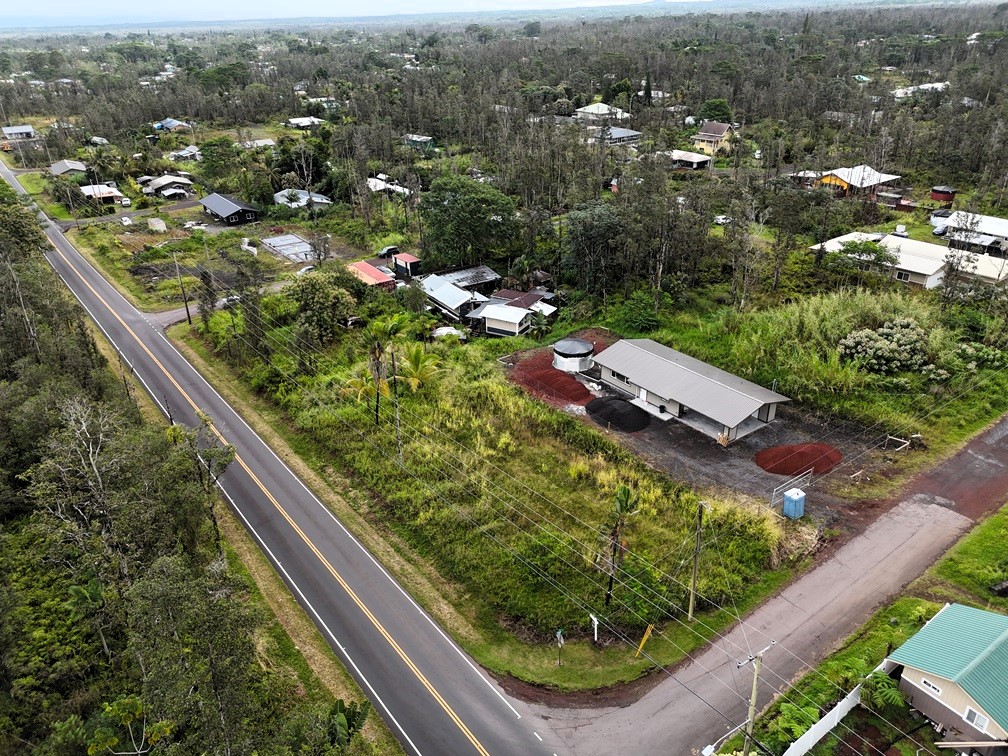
pixel 642 393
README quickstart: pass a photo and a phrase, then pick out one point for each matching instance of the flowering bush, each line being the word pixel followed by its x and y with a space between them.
pixel 896 347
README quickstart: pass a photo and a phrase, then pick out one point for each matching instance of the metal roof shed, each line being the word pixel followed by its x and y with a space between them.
pixel 666 382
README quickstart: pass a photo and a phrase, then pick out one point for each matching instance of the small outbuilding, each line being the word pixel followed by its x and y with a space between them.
pixel 406 265
pixel 667 383
pixel 573 355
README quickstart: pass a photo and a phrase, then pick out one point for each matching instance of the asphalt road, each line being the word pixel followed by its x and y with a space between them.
pixel 433 696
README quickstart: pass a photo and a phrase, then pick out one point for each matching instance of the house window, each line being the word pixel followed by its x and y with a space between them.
pixel 902 275
pixel 976 719
pixel 925 683
pixel 620 377
pixel 249 216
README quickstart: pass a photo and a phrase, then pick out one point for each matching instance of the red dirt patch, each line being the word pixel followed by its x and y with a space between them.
pixel 797 458
pixel 533 370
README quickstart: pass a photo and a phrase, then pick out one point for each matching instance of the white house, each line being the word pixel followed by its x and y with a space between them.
pixel 599 111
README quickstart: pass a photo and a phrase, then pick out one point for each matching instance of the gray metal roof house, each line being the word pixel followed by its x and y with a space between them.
pixel 61 167
pixel 670 384
pixel 18 132
pixel 229 210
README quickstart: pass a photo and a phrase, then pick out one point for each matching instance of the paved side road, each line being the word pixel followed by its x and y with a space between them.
pixel 808 618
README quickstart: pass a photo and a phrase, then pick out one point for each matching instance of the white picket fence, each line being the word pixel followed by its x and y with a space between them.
pixel 832 718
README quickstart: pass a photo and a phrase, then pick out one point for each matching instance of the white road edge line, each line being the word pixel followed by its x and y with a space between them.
pixel 537 735
pixel 252 530
pixel 352 537
pixel 200 377
pixel 335 640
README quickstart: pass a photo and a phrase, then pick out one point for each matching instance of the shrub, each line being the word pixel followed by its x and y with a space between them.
pixel 896 347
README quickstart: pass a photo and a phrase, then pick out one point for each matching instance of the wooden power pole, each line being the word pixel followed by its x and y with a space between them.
pixel 696 561
pixel 757 660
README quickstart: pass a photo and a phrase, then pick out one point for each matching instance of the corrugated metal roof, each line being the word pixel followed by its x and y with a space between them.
pixel 969 647
pixel 505 313
pixel 475 276
pixel 369 274
pixel 222 205
pixel 444 292
pixel 709 390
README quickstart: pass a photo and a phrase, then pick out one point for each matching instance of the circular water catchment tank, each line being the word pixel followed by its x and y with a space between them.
pixel 573 355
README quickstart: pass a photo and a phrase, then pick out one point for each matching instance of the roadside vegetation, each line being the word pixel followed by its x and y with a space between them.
pixel 125 620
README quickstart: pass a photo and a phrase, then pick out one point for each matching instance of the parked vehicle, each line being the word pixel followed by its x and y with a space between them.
pixel 126 202
pixel 389 251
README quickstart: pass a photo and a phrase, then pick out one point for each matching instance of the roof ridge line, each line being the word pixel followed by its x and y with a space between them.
pixel 684 367
pixel 992 646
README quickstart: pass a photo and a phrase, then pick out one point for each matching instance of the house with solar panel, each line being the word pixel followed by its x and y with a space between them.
pixel 954 671
pixel 669 384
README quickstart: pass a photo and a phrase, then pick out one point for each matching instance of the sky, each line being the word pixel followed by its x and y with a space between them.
pixel 74 12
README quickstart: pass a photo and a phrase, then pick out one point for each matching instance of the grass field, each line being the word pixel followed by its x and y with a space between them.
pixel 476 604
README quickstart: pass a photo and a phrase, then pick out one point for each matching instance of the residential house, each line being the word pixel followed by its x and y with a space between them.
pixel 503 319
pixel 905 92
pixel 168 186
pixel 65 167
pixel 382 183
pixel 255 144
pixel 369 274
pixel 18 132
pixel 102 193
pixel 713 137
pixel 600 112
pixel 954 671
pixel 189 153
pixel 861 179
pixel 479 278
pixel 619 136
pixel 452 300
pixel 695 161
pixel 229 210
pixel 171 124
pixel 297 198
pixel 667 383
pixel 964 225
pixel 304 123
pixel 419 142
pixel 922 264
pixel 406 265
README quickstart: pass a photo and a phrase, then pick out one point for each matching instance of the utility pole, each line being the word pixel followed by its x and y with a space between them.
pixel 185 299
pixel 757 660
pixel 696 561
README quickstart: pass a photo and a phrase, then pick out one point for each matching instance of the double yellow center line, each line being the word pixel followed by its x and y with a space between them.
pixel 297 529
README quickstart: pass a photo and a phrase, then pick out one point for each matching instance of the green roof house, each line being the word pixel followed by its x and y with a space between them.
pixel 955 672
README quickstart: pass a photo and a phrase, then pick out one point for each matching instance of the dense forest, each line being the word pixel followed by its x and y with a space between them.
pixel 122 628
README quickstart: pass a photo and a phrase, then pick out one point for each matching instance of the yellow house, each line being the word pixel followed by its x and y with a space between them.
pixel 860 178
pixel 713 137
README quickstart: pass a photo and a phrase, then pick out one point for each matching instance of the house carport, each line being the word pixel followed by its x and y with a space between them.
pixel 668 383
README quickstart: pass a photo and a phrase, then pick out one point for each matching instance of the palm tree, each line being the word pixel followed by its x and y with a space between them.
pixel 626 503
pixel 379 336
pixel 419 366
pixel 539 326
